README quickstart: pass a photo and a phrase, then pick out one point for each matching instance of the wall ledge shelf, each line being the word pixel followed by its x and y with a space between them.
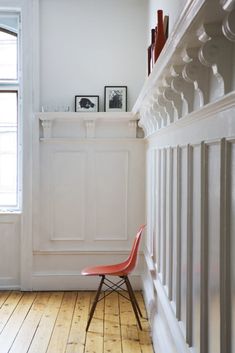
pixel 88 125
pixel 75 116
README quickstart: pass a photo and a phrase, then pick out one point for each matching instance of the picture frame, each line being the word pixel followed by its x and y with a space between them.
pixel 115 98
pixel 86 103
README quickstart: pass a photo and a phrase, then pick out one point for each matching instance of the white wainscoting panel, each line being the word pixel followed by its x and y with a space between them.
pixel 169 182
pixel 163 216
pixel 152 191
pixel 62 270
pixel 213 180
pixel 10 251
pixel 91 194
pixel 175 232
pixel 111 194
pixel 156 215
pixel 91 203
pixel 231 251
pixel 196 244
pixel 183 234
pixel 68 195
pixel 194 236
pixel 196 252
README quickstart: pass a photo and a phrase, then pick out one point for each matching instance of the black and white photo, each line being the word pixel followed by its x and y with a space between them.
pixel 86 103
pixel 115 98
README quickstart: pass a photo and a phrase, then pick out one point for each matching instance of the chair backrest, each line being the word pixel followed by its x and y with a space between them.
pixel 130 263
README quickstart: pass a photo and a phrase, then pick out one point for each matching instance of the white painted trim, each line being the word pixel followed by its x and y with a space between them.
pixel 9 217
pixel 10 287
pixel 90 140
pixel 188 16
pixel 173 323
pixel 30 14
pixel 75 117
pixel 67 273
pixel 83 252
pixel 225 241
pixel 149 261
pixel 72 281
pixel 189 317
pixel 211 110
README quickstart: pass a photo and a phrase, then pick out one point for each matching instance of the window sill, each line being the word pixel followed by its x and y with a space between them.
pixel 9 212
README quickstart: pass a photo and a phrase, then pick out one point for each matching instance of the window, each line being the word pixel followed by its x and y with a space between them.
pixel 9 113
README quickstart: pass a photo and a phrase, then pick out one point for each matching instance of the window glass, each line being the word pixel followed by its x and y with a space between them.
pixel 8 55
pixel 9 122
pixel 8 149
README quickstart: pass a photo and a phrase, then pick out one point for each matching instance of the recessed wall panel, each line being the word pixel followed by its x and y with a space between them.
pixel 232 245
pixel 151 202
pixel 111 191
pixel 196 245
pixel 169 222
pixel 213 233
pixel 183 233
pixel 158 210
pixel 156 248
pixel 10 247
pixel 69 186
pixel 163 215
pixel 175 210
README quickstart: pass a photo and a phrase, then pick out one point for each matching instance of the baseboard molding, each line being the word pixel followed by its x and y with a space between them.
pixel 9 287
pixel 173 323
pixel 72 281
pixel 164 325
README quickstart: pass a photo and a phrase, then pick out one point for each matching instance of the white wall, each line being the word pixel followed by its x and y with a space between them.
pixel 171 8
pixel 86 45
pixel 17 233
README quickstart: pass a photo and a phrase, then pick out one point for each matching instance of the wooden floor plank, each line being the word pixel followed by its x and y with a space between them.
pixel 112 329
pixel 46 325
pixel 129 329
pixel 8 307
pixel 77 335
pixel 3 297
pixel 30 324
pixel 94 338
pixel 13 325
pixel 144 335
pixel 61 330
pixel 55 322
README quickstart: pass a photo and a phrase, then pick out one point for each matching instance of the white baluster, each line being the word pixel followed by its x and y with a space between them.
pixel 183 87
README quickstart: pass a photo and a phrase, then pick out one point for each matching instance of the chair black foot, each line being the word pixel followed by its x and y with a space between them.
pixel 95 303
pixel 133 300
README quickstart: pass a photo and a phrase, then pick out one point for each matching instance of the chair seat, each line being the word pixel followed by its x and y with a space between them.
pixel 111 270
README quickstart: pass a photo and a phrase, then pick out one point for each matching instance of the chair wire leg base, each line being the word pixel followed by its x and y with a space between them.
pixel 133 300
pixel 130 291
pixel 95 303
pixel 134 297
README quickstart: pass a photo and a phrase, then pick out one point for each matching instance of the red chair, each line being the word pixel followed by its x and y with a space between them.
pixel 121 270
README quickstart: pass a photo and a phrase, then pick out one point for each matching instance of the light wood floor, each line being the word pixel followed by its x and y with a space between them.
pixel 54 322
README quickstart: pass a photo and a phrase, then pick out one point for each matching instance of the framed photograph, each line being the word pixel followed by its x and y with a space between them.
pixel 115 98
pixel 86 103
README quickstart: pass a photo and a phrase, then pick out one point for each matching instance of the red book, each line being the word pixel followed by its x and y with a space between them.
pixel 160 38
pixel 151 52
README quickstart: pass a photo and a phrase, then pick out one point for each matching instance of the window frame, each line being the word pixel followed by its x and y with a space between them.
pixel 14 86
